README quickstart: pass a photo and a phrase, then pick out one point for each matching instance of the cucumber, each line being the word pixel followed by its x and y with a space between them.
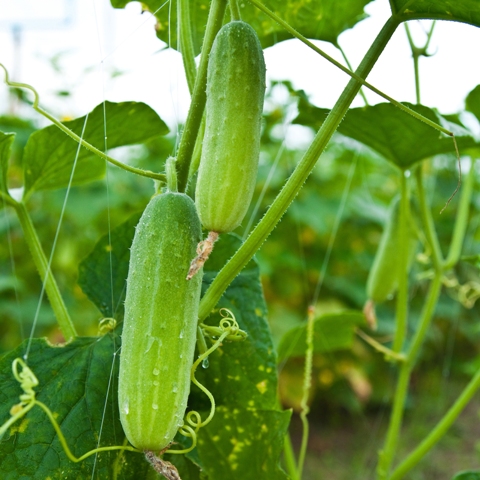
pixel 231 143
pixel 160 324
pixel 383 276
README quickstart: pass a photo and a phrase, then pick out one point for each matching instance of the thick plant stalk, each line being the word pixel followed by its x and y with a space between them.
pixel 307 385
pixel 428 225
pixel 298 177
pixel 388 453
pixel 401 315
pixel 195 112
pixel 234 10
pixel 185 40
pixel 51 288
pixel 440 429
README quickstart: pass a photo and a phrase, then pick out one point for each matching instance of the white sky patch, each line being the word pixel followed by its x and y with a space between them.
pixel 132 64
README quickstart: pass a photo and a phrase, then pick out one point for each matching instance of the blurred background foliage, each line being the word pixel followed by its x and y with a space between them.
pixel 301 264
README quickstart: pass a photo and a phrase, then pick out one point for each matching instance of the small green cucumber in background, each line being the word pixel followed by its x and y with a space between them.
pixel 160 325
pixel 383 276
pixel 231 144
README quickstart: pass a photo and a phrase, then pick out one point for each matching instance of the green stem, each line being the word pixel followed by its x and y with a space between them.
pixel 386 455
pixel 185 39
pixel 298 177
pixel 74 136
pixel 307 385
pixel 289 458
pixel 201 343
pixel 50 285
pixel 197 151
pixel 354 75
pixel 195 112
pixel 389 354
pixel 64 443
pixel 415 57
pixel 418 52
pixel 7 199
pixel 427 220
pixel 461 220
pixel 416 68
pixel 171 173
pixel 388 452
pixel 425 319
pixel 234 10
pixel 440 429
pixel 403 253
pixel 344 55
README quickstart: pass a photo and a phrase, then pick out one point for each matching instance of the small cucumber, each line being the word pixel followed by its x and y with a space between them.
pixel 383 276
pixel 160 325
pixel 231 144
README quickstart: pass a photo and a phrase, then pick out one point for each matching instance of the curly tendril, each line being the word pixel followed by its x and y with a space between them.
pixel 229 324
pixel 28 381
pixel 106 325
pixel 228 329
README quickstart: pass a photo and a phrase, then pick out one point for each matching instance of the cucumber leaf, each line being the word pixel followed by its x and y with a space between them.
pixel 470 475
pixel 334 331
pixel 467 11
pixel 243 443
pixel 472 102
pixel 78 382
pixel 6 141
pixel 49 154
pixel 320 20
pixel 395 135
pixel 107 262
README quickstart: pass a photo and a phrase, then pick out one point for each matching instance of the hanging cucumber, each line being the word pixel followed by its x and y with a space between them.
pixel 383 277
pixel 231 144
pixel 160 324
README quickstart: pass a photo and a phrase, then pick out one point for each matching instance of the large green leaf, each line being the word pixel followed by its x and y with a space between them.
pixel 6 140
pixel 103 273
pixel 321 19
pixel 470 475
pixel 243 444
pixel 472 102
pixel 49 154
pixel 394 134
pixel 467 11
pixel 78 382
pixel 334 331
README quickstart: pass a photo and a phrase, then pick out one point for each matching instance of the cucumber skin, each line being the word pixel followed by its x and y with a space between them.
pixel 231 144
pixel 383 276
pixel 160 323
